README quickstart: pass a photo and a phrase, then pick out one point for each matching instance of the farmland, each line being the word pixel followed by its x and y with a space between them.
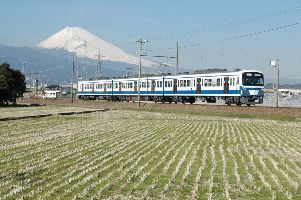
pixel 158 155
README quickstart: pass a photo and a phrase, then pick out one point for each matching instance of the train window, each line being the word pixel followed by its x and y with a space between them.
pixel 252 79
pixel 188 83
pixel 184 83
pixel 181 83
pixel 237 81
pixel 206 82
pixel 230 81
pixel 218 82
pixel 214 82
pixel 209 82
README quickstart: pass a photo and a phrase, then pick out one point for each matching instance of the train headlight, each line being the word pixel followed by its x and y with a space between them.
pixel 245 92
pixel 260 93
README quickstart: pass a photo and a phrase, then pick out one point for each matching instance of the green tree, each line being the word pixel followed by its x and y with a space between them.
pixel 12 84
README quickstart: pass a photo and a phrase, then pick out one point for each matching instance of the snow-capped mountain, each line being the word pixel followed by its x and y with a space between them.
pixel 85 44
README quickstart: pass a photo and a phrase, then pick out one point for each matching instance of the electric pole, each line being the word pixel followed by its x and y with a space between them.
pixel 73 66
pixel 23 66
pixel 141 41
pixel 72 79
pixel 275 63
pixel 177 70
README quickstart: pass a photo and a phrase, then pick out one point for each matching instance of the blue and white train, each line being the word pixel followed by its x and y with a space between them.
pixel 238 87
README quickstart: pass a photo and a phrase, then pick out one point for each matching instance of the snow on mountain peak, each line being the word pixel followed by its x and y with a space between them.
pixel 85 44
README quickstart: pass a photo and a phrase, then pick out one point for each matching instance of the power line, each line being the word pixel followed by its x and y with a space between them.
pixel 230 25
pixel 231 38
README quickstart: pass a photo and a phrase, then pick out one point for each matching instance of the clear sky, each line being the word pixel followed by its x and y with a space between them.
pixel 211 33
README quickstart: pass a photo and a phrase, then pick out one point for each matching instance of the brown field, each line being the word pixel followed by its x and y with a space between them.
pixel 210 109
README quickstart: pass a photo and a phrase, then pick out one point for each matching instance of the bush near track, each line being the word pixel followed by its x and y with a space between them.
pixel 137 154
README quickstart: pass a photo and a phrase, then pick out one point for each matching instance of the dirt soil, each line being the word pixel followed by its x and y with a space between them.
pixel 213 109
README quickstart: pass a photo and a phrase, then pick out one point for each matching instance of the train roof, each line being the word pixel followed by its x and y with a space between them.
pixel 226 73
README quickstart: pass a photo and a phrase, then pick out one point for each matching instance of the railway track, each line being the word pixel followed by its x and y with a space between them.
pixel 201 108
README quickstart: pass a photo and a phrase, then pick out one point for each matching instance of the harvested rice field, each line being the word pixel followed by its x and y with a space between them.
pixel 128 154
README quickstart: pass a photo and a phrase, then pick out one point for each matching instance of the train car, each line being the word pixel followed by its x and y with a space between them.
pixel 239 87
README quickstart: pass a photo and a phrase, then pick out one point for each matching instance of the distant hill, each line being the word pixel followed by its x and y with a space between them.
pixel 55 65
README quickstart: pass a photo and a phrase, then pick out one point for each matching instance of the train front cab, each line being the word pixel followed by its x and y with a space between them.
pixel 252 89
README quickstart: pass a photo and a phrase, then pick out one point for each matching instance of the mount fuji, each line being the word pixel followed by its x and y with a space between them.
pixel 51 58
pixel 86 45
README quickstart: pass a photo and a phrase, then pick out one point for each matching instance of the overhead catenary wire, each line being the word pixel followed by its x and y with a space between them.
pixel 230 38
pixel 229 25
pixel 226 25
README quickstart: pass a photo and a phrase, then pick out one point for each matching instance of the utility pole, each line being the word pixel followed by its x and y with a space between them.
pixel 275 63
pixel 141 41
pixel 73 66
pixel 23 66
pixel 72 79
pixel 177 70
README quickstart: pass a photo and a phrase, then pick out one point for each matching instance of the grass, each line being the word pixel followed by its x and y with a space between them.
pixel 259 115
pixel 139 154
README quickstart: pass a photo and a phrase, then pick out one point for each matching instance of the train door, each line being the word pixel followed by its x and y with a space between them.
pixel 198 85
pixel 120 86
pixel 135 87
pixel 82 87
pixel 153 86
pixel 175 86
pixel 93 85
pixel 226 85
pixel 104 88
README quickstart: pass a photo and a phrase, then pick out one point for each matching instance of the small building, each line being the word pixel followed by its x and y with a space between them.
pixel 51 94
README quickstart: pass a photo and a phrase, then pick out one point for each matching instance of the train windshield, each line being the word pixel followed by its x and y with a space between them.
pixel 252 79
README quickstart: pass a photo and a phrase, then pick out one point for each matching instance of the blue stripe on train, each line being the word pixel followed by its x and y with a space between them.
pixel 179 92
